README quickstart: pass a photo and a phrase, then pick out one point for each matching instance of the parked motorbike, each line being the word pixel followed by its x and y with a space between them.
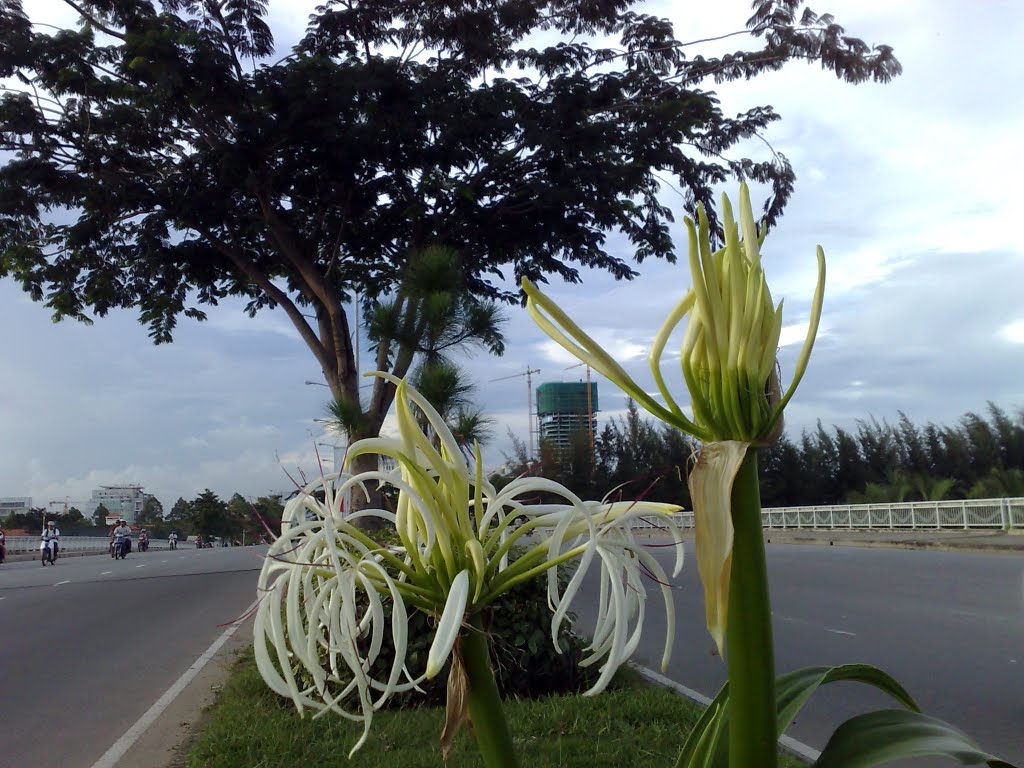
pixel 47 550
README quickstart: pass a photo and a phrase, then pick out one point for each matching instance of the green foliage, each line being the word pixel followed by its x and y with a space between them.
pixel 152 511
pixel 627 726
pixel 100 515
pixel 881 737
pixel 193 162
pixel 707 744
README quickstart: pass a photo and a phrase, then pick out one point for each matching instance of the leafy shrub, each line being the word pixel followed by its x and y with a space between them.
pixel 525 662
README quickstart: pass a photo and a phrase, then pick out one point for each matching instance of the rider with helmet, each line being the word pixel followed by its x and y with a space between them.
pixel 122 538
pixel 51 535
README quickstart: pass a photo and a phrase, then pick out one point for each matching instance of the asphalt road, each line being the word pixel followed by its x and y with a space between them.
pixel 87 645
pixel 948 625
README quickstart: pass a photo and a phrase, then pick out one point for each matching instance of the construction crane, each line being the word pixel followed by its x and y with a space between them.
pixel 590 409
pixel 528 373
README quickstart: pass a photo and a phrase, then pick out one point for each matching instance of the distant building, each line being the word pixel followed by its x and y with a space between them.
pixel 564 409
pixel 14 505
pixel 121 501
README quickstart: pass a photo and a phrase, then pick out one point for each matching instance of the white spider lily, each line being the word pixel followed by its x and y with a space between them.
pixel 455 532
pixel 729 369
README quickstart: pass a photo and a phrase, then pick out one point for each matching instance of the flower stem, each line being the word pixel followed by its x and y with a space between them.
pixel 748 639
pixel 490 728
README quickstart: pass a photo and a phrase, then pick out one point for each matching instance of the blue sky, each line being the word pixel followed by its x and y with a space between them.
pixel 911 188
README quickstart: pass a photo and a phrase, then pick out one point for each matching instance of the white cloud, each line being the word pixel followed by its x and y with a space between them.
pixel 911 189
pixel 1013 332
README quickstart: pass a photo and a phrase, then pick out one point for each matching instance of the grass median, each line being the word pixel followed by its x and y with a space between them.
pixel 632 724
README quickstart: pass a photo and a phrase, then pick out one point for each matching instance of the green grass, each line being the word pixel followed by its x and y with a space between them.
pixel 630 725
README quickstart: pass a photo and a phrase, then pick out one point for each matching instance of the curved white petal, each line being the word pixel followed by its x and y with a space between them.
pixel 449 625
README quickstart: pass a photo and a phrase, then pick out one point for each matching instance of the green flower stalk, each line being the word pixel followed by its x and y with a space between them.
pixel 729 368
pixel 455 531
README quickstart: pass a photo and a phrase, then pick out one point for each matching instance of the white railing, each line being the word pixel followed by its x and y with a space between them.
pixel 997 514
pixel 76 544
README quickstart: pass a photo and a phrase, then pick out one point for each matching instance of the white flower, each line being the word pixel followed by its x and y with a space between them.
pixel 456 532
pixel 728 361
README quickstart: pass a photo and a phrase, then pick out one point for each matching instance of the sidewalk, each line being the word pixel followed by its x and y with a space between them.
pixel 995 541
pixel 976 540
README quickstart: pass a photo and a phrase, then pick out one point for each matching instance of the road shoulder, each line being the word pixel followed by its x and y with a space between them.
pixel 166 743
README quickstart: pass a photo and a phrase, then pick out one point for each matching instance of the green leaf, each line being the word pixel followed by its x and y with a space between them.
pixel 706 745
pixel 701 746
pixel 895 734
pixel 794 688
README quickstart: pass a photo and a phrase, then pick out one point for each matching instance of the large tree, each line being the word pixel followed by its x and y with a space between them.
pixel 163 157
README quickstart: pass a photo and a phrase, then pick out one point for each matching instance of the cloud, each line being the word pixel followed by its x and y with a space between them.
pixel 910 188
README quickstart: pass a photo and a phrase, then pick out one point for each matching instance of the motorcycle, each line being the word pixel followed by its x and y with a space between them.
pixel 143 544
pixel 121 548
pixel 47 550
pixel 173 544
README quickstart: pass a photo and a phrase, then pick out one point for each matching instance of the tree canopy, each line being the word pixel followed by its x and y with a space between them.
pixel 163 156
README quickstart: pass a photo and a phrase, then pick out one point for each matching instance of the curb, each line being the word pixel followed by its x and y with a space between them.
pixel 944 546
pixel 789 744
pixel 23 557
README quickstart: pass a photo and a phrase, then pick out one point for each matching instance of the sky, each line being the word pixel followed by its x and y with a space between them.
pixel 911 188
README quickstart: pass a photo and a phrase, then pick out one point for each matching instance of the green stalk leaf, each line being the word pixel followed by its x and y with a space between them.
pixel 702 744
pixel 706 745
pixel 895 734
pixel 793 689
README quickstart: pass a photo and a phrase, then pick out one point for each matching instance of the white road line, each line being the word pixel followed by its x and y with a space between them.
pixel 3 598
pixel 105 573
pixel 122 745
pixel 840 632
pixel 788 743
pixel 163 561
pixel 141 566
pixel 62 582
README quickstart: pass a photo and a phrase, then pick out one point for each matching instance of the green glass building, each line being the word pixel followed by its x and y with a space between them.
pixel 564 409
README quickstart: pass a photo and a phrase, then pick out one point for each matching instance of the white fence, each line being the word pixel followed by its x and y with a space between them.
pixel 918 515
pixel 76 543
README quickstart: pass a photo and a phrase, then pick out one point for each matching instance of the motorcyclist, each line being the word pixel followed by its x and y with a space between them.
pixel 122 536
pixel 51 535
pixel 173 538
pixel 143 540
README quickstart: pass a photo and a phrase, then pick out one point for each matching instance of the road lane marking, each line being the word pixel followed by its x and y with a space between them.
pixel 105 573
pixel 140 566
pixel 788 743
pixel 120 747
pixel 840 632
pixel 62 582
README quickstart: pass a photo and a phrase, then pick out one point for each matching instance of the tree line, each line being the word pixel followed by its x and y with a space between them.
pixel 977 457
pixel 237 519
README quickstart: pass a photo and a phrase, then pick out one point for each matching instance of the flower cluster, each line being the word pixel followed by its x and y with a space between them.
pixel 317 642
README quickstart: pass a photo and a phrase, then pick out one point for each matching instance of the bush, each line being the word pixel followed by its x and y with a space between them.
pixel 519 623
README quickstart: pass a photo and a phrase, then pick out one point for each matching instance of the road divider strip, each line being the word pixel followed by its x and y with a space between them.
pixel 788 743
pixel 120 747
